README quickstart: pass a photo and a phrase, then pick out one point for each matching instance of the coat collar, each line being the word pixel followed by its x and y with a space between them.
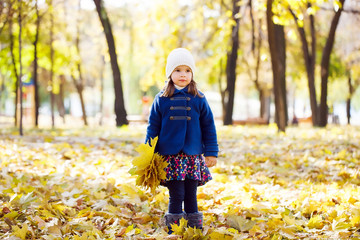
pixel 184 90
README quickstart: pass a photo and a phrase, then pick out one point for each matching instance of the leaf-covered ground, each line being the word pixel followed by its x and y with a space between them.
pixel 74 184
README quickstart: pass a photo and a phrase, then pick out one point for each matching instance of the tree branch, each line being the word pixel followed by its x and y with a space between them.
pixel 7 16
pixel 350 11
pixel 226 6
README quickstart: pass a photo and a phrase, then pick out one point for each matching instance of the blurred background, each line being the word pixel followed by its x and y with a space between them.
pixel 92 62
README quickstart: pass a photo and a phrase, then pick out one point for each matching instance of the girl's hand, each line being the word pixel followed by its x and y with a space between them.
pixel 210 161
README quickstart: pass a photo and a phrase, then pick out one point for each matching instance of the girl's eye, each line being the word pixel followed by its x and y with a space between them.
pixel 188 70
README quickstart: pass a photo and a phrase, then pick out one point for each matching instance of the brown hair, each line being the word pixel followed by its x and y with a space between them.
pixel 170 88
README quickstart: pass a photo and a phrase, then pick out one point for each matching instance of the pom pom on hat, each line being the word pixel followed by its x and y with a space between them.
pixel 178 57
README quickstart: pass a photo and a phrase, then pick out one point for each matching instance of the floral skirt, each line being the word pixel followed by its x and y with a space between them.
pixel 183 166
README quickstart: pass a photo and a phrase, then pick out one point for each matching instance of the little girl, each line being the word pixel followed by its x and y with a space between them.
pixel 182 119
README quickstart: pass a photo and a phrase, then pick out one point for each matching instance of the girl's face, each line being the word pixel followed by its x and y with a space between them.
pixel 181 75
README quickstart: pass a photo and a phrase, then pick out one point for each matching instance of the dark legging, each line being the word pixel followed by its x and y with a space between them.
pixel 182 191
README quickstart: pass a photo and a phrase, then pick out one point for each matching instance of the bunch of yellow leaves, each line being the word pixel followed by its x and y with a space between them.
pixel 149 166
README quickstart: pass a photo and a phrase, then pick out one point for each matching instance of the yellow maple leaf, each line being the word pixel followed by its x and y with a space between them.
pixel 340 225
pixel 193 234
pixel 149 166
pixel 355 221
pixel 20 232
pixel 146 154
pixel 220 234
pixel 240 223
pixel 179 229
pixel 316 222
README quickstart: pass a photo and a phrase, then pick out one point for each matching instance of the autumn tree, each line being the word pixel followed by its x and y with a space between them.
pixel 79 84
pixel 121 116
pixel 231 62
pixel 325 61
pixel 254 60
pixel 10 10
pixel 276 39
pixel 350 53
pixel 20 66
pixel 309 55
pixel 101 107
pixel 52 53
pixel 351 88
pixel 36 65
pixel 13 60
pixel 299 9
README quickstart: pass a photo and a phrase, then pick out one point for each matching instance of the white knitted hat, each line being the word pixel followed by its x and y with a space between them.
pixel 178 57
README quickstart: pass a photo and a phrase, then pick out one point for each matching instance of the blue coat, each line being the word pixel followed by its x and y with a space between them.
pixel 183 122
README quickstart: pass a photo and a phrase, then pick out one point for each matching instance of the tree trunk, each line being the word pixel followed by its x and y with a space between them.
pixel 278 59
pixel 20 74
pixel 263 96
pixel 262 103
pixel 60 98
pixel 80 84
pixel 265 101
pixel 222 92
pixel 231 67
pixel 2 90
pixel 311 77
pixel 309 60
pixel 121 116
pixel 79 88
pixel 325 62
pixel 221 73
pixel 252 27
pixel 264 114
pixel 15 70
pixel 52 97
pixel 348 100
pixel 102 90
pixel 36 85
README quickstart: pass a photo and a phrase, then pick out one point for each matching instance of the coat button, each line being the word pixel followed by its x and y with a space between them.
pixel 188 108
pixel 171 118
pixel 188 98
pixel 188 118
pixel 171 108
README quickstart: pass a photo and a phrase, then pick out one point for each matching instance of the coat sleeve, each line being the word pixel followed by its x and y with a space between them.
pixel 154 124
pixel 208 130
